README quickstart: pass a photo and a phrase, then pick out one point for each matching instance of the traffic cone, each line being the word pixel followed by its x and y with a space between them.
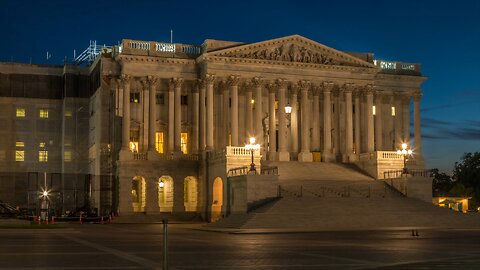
pixel 39 220
pixel 53 220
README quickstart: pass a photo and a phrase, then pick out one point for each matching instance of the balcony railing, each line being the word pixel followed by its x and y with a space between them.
pixel 399 173
pixel 398 67
pixel 154 48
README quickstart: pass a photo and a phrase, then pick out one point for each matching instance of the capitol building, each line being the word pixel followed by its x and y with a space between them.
pixel 160 129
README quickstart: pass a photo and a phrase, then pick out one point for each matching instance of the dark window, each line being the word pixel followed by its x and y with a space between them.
pixel 160 99
pixel 184 100
pixel 135 97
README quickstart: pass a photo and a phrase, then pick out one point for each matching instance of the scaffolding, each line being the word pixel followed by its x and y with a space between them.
pixel 90 53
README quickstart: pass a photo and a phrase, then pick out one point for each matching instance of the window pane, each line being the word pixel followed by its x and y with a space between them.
pixel 43 156
pixel 19 155
pixel 184 143
pixel 159 142
pixel 20 144
pixel 43 113
pixel 20 112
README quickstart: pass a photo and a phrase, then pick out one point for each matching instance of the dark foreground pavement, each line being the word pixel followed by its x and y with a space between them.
pixel 140 247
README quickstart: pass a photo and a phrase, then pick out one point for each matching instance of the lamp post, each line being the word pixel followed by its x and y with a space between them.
pixel 406 153
pixel 252 147
pixel 288 109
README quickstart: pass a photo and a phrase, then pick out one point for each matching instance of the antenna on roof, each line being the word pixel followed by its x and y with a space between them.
pixel 171 36
pixel 49 55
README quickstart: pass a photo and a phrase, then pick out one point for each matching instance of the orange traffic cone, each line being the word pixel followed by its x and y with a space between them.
pixel 39 220
pixel 53 220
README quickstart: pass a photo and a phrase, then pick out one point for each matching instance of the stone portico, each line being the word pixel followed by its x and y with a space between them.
pixel 177 105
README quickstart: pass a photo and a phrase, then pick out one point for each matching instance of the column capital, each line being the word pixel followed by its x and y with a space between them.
pixel 316 90
pixel 327 86
pixel 200 83
pixel 152 80
pixel 176 82
pixel 417 95
pixel 233 80
pixel 348 87
pixel 257 81
pixel 369 89
pixel 281 83
pixel 304 85
pixel 125 78
pixel 247 85
pixel 209 78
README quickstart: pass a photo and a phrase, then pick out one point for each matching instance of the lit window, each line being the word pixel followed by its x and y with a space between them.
pixel 21 112
pixel 134 138
pixel 19 155
pixel 43 113
pixel 183 142
pixel 67 156
pixel 393 111
pixel 135 97
pixel 43 155
pixel 41 144
pixel 373 108
pixel 19 144
pixel 134 146
pixel 159 142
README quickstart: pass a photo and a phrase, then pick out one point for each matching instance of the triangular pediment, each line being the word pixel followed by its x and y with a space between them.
pixel 293 48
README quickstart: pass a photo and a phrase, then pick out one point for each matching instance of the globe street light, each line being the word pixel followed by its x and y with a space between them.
pixel 252 147
pixel 406 153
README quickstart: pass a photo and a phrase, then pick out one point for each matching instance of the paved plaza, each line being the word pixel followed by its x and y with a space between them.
pixel 131 246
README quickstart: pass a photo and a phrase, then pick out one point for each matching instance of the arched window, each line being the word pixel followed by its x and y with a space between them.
pixel 165 194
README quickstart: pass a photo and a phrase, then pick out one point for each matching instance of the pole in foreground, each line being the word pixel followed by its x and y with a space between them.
pixel 165 243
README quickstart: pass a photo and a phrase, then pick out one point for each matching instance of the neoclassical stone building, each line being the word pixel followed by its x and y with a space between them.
pixel 168 121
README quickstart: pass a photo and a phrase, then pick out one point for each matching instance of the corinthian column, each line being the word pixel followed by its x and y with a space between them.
pixel 257 82
pixel 248 112
pixel 416 122
pixel 233 83
pixel 294 119
pixel 327 122
pixel 202 109
pixel 406 119
pixel 125 79
pixel 315 120
pixel 209 79
pixel 195 119
pixel 283 154
pixel 348 123
pixel 370 136
pixel 358 141
pixel 272 130
pixel 305 155
pixel 378 121
pixel 152 85
pixel 398 120
pixel 171 116
pixel 178 82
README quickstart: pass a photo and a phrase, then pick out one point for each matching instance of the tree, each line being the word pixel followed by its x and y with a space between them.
pixel 442 183
pixel 467 172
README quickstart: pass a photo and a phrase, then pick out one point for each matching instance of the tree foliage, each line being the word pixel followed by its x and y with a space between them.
pixel 442 183
pixel 467 172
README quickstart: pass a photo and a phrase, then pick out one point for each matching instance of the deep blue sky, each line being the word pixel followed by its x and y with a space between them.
pixel 444 36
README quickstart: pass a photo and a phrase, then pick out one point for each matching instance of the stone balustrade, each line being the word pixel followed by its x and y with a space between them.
pixel 154 48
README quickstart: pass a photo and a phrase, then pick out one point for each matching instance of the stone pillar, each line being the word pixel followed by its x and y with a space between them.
pixel 369 120
pixel 406 120
pixel 258 111
pixel 294 120
pixel 178 82
pixel 305 155
pixel 378 121
pixel 337 149
pixel 316 120
pixel 398 121
pixel 358 141
pixel 283 154
pixel 152 90
pixel 151 200
pixel 348 156
pixel 171 117
pixel 327 122
pixel 210 79
pixel 202 110
pixel 233 83
pixel 195 119
pixel 416 122
pixel 272 129
pixel 248 113
pixel 125 79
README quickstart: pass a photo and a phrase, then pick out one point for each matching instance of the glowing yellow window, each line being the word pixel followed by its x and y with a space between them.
pixel 184 142
pixel 43 156
pixel 159 142
pixel 373 109
pixel 43 113
pixel 134 146
pixel 67 156
pixel 393 111
pixel 19 155
pixel 19 144
pixel 276 104
pixel 21 112
pixel 41 144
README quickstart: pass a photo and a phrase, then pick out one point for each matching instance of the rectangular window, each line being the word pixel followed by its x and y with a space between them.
pixel 160 99
pixel 19 155
pixel 41 144
pixel 43 156
pixel 20 144
pixel 184 143
pixel 393 111
pixel 159 142
pixel 20 112
pixel 134 138
pixel 43 113
pixel 184 100
pixel 67 157
pixel 373 109
pixel 135 97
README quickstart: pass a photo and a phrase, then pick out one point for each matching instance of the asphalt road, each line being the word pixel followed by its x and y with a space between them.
pixel 116 246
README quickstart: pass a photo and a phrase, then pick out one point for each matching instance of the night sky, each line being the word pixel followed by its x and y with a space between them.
pixel 443 36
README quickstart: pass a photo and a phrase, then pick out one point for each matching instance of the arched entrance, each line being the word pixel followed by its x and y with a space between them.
pixel 190 193
pixel 138 194
pixel 165 194
pixel 217 199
